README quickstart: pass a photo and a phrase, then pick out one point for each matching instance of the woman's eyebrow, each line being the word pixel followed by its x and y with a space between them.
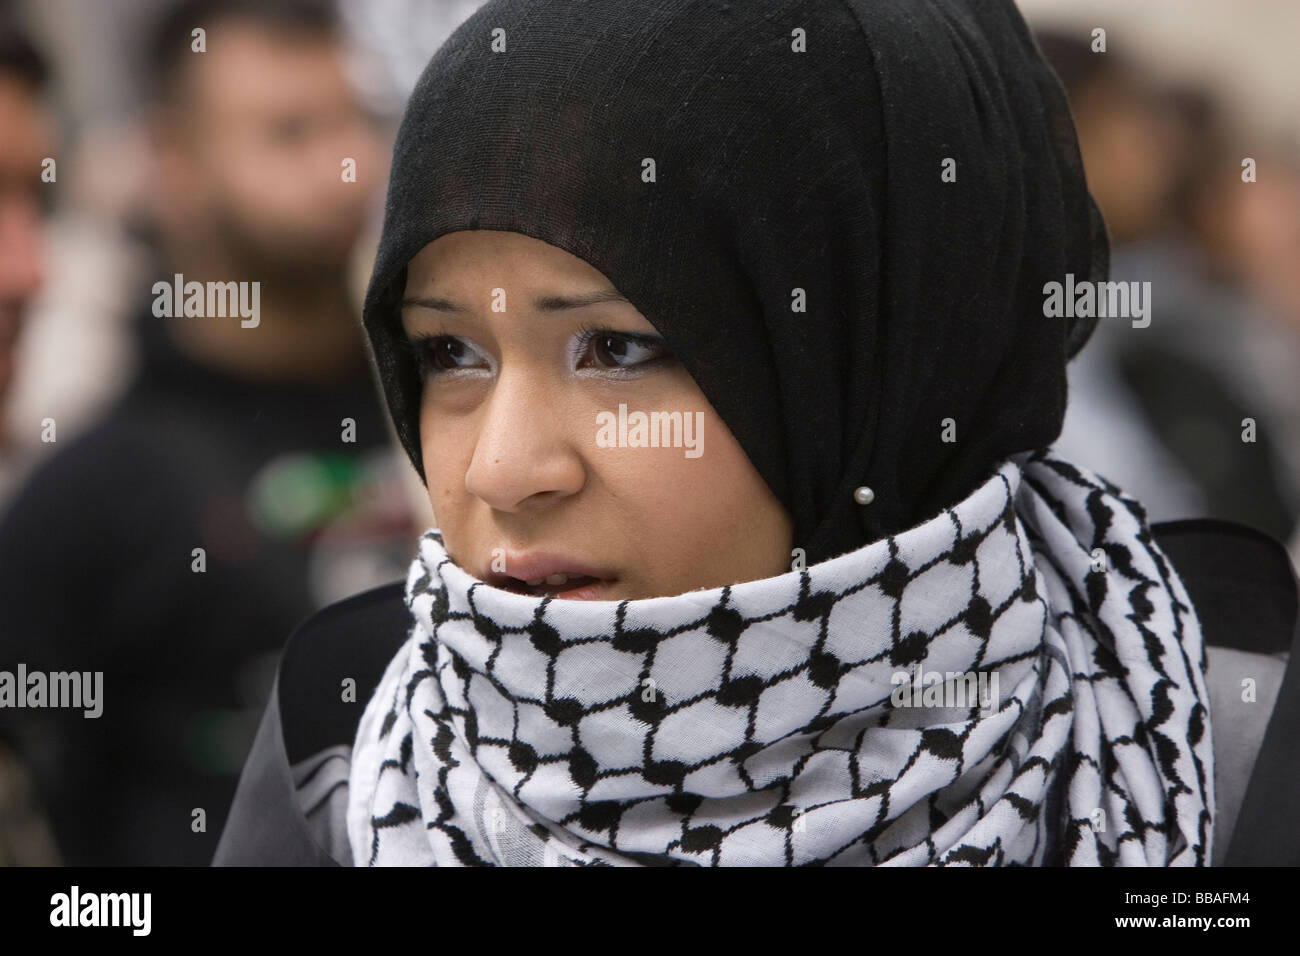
pixel 558 303
pixel 434 302
pixel 546 303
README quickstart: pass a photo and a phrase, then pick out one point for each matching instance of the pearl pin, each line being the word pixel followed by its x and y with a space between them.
pixel 864 495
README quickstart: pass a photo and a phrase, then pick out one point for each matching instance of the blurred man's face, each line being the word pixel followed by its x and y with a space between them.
pixel 258 161
pixel 1128 146
pixel 1262 229
pixel 26 139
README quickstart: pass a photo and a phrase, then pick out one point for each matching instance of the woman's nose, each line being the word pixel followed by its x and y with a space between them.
pixel 525 455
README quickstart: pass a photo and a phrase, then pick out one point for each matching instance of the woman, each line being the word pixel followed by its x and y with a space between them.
pixel 808 243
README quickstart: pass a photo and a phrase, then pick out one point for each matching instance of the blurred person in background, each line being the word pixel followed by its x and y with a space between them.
pixel 243 479
pixel 26 132
pixel 27 135
pixel 1252 236
pixel 1166 410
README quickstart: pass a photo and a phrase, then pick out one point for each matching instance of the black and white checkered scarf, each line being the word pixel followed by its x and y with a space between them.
pixel 766 723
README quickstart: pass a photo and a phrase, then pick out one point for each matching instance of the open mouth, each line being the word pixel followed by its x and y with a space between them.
pixel 571 587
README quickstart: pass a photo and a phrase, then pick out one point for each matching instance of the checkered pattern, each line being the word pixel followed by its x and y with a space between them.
pixel 753 724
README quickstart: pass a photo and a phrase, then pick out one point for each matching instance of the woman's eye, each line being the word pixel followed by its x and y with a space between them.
pixel 624 350
pixel 441 353
pixel 605 349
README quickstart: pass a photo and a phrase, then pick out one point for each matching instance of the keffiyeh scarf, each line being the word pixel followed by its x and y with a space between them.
pixel 1017 680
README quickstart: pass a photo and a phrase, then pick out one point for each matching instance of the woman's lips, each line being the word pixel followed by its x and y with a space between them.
pixel 584 589
pixel 576 588
pixel 560 576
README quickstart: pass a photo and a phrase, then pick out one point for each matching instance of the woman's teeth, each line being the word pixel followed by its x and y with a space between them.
pixel 552 579
pixel 553 584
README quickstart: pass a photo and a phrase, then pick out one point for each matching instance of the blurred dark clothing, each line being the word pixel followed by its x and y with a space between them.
pixel 1200 417
pixel 96 556
pixel 1159 410
pixel 25 837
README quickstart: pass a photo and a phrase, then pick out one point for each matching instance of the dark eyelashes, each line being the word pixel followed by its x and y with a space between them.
pixel 420 348
pixel 587 333
pixel 416 346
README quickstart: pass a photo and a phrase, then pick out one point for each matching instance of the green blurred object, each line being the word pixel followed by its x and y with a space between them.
pixel 296 493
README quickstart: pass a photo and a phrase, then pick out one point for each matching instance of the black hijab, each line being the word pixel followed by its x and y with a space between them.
pixel 778 170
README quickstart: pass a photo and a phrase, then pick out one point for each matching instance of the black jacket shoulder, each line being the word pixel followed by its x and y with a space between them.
pixel 312 707
pixel 1246 594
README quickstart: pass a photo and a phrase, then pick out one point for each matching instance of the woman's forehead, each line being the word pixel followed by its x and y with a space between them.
pixel 473 258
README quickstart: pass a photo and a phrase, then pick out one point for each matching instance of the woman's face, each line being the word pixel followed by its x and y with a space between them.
pixel 529 469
